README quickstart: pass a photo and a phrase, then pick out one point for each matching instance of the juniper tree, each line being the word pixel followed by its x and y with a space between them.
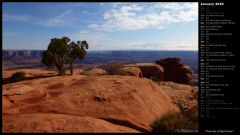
pixel 76 51
pixel 61 50
pixel 56 53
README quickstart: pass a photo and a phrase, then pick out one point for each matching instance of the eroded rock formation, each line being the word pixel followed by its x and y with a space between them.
pixel 80 103
pixel 149 70
pixel 175 71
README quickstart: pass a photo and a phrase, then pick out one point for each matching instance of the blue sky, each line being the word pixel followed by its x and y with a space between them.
pixel 105 26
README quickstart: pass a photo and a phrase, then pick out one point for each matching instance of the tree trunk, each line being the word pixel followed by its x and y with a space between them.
pixel 59 65
pixel 60 69
pixel 71 68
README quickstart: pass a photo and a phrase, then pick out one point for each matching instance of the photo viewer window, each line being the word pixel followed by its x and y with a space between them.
pixel 120 67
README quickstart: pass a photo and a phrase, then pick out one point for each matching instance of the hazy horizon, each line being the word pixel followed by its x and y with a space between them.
pixel 148 26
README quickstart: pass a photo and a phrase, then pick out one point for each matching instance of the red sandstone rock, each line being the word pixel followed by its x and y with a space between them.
pixel 149 70
pixel 175 71
pixel 87 104
pixel 133 71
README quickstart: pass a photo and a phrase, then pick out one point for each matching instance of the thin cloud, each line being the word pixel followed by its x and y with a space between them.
pixel 138 16
pixel 99 40
pixel 59 20
pixel 95 39
pixel 10 17
pixel 167 45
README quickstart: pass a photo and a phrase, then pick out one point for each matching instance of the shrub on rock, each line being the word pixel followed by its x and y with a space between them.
pixel 17 76
pixel 114 69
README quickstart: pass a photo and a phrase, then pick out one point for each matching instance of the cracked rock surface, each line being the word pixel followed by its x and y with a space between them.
pixel 79 103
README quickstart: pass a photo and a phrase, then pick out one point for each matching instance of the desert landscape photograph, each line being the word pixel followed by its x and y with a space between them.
pixel 113 67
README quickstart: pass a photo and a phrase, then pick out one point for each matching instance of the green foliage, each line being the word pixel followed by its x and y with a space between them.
pixel 17 76
pixel 181 105
pixel 61 51
pixel 190 113
pixel 114 69
pixel 56 52
pixel 186 119
pixel 59 46
pixel 46 59
pixel 76 51
pixel 195 94
pixel 171 123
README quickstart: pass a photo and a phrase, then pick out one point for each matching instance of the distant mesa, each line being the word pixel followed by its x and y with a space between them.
pixel 12 54
pixel 32 58
pixel 168 69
